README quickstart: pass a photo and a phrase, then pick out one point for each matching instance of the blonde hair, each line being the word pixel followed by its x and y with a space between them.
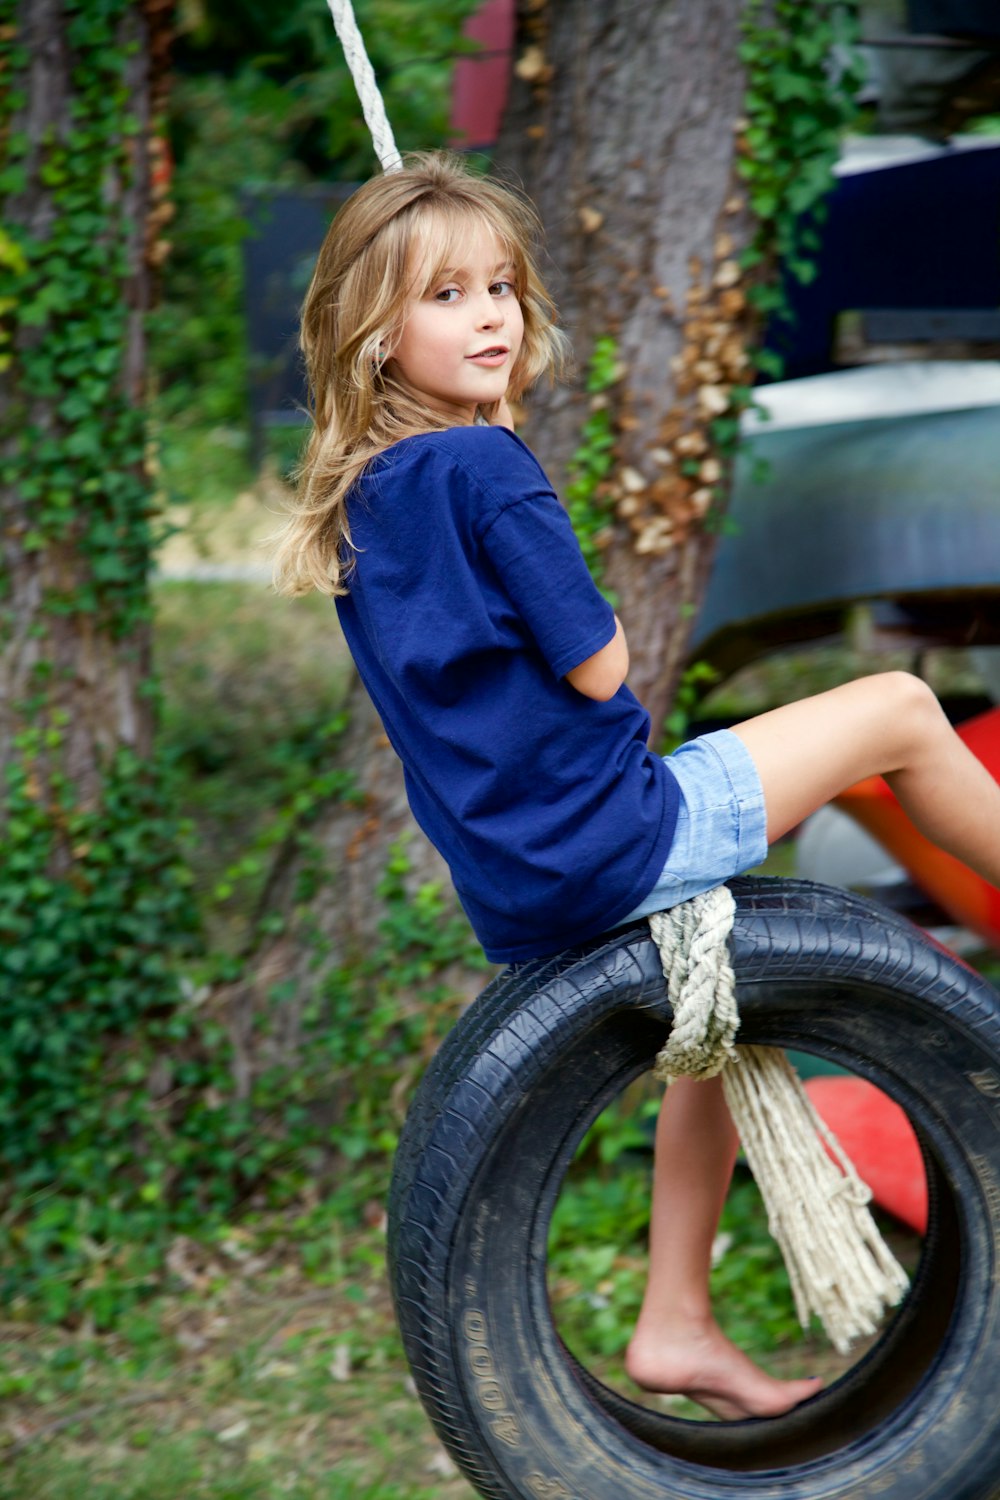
pixel 355 307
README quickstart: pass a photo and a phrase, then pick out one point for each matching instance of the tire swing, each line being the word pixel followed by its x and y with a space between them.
pixel 495 1125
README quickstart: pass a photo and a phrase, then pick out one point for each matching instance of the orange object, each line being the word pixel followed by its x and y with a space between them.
pixel 880 1141
pixel 967 898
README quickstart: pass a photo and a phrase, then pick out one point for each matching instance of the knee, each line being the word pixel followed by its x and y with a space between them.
pixel 911 704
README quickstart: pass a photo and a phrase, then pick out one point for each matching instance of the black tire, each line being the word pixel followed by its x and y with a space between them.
pixel 499 1115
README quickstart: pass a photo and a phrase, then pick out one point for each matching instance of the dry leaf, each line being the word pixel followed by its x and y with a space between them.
pixel 727 275
pixel 441 1465
pixel 713 399
pixel 532 67
pixel 691 444
pixel 235 1432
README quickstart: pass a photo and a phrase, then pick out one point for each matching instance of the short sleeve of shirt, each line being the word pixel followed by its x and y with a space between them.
pixel 529 540
pixel 532 546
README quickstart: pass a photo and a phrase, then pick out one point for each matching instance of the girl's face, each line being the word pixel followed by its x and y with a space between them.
pixel 461 335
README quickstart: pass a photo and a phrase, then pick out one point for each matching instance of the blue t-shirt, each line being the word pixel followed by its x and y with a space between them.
pixel 468 603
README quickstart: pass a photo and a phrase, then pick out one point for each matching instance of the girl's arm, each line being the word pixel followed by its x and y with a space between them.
pixel 602 674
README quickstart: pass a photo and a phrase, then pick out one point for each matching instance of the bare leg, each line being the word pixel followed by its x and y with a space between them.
pixel 677 1346
pixel 805 753
pixel 890 725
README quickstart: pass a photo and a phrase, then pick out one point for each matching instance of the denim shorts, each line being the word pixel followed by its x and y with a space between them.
pixel 721 824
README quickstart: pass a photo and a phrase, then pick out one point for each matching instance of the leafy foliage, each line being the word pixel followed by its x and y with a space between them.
pixel 95 910
pixel 696 680
pixel 590 509
pixel 64 314
pixel 285 67
pixel 389 1010
pixel 82 960
pixel 803 79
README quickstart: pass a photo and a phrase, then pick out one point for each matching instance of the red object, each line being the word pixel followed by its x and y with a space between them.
pixel 879 1139
pixel 480 83
pixel 967 898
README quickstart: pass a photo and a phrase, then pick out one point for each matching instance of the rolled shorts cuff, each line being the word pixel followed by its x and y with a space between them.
pixel 721 823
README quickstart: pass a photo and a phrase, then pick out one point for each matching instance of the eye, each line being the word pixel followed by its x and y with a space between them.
pixel 447 295
pixel 503 289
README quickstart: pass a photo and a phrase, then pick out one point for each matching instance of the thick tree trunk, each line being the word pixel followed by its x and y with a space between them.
pixel 623 128
pixel 63 658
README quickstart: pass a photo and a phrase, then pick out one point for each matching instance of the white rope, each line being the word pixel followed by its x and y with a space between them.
pixel 691 938
pixel 838 1264
pixel 363 74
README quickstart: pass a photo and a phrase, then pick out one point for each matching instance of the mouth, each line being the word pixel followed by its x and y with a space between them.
pixel 494 352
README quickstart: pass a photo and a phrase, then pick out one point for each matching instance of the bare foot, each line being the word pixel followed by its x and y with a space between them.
pixel 696 1360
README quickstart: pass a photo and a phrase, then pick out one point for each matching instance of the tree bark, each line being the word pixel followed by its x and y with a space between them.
pixel 623 128
pixel 63 659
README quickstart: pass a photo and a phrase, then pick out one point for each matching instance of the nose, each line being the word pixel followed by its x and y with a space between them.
pixel 489 311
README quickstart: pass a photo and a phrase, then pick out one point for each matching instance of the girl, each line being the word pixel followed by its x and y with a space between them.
pixel 499 674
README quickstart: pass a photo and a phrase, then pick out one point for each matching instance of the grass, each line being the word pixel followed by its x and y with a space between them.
pixel 249 1379
pixel 271 1367
pixel 252 684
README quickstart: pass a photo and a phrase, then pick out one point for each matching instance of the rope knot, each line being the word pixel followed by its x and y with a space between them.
pixel 700 983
